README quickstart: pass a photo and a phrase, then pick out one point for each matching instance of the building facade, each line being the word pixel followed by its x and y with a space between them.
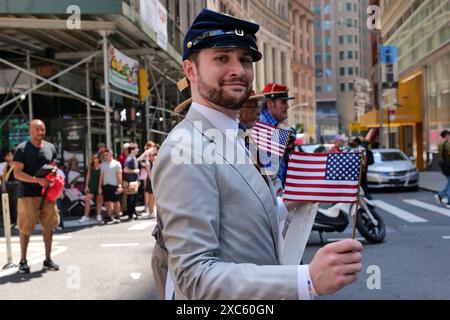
pixel 342 57
pixel 420 107
pixel 302 112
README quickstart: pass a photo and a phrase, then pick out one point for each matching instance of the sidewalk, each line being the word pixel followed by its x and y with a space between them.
pixel 432 181
pixel 69 223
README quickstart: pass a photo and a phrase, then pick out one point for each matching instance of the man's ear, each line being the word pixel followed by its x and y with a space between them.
pixel 190 70
pixel 270 104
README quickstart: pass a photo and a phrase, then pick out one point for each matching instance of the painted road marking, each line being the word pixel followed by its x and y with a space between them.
pixel 424 205
pixel 399 213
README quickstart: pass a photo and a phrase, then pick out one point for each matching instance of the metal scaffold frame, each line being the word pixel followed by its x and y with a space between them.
pixel 28 37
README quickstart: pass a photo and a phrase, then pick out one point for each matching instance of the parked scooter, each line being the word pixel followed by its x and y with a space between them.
pixel 336 218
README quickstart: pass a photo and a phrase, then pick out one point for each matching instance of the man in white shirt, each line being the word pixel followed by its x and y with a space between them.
pixel 220 216
pixel 110 185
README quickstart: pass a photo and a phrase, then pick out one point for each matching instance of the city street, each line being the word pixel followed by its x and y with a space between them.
pixel 96 262
pixel 113 261
pixel 413 260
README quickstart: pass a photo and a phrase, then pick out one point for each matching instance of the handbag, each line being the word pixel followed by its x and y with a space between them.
pixel 131 187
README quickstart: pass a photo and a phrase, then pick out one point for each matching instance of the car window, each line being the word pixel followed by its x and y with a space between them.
pixel 389 156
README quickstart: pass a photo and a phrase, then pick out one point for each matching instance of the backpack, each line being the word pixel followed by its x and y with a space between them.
pixel 445 162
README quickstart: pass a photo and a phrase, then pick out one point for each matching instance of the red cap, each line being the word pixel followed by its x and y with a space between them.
pixel 276 91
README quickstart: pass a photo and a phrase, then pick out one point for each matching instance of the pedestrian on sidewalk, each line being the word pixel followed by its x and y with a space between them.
pixel 91 189
pixel 444 163
pixel 150 198
pixel 10 186
pixel 131 182
pixel 110 185
pixel 30 156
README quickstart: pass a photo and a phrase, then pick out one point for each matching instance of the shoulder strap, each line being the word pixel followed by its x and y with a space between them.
pixel 8 173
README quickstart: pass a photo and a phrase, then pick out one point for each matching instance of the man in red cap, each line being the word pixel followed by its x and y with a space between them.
pixel 274 112
pixel 274 109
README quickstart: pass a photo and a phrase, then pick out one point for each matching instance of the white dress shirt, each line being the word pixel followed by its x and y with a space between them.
pixel 228 125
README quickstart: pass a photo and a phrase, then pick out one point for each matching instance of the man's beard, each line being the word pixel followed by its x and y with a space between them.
pixel 220 97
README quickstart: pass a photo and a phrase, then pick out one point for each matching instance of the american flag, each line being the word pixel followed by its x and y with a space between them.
pixel 270 139
pixel 318 177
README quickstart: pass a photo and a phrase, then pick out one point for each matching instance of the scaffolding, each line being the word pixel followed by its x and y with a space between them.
pixel 30 42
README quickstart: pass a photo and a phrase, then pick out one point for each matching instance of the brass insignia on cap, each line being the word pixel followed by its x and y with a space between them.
pixel 189 44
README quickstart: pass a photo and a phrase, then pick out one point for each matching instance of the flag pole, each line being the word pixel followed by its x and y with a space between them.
pixel 363 159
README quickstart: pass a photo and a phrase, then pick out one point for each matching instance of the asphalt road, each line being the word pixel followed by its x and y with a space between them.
pixel 413 261
pixel 96 262
pixel 113 261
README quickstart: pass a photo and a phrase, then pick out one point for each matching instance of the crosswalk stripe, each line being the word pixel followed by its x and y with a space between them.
pixel 428 206
pixel 142 225
pixel 400 213
pixel 113 245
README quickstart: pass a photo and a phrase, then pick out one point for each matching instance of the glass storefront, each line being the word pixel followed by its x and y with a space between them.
pixel 438 96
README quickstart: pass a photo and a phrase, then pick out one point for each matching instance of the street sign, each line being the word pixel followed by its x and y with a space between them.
pixel 389 54
pixel 355 126
pixel 389 61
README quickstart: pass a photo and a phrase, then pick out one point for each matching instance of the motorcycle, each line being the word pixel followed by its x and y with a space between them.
pixel 336 218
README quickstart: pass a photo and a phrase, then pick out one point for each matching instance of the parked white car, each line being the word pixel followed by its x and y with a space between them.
pixel 392 168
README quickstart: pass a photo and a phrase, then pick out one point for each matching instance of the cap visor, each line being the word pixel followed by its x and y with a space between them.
pixel 232 42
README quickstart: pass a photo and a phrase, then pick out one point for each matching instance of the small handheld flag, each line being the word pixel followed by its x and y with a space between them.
pixel 269 138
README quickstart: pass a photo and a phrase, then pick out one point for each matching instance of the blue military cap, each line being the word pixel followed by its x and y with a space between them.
pixel 216 30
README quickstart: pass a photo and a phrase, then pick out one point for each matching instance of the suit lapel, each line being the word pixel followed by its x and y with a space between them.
pixel 261 186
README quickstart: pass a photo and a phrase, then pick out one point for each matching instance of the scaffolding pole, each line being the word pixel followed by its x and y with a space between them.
pixel 88 114
pixel 106 83
pixel 30 95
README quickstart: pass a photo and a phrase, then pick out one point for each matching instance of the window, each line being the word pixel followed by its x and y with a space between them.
pixel 357 71
pixel 318 88
pixel 318 58
pixel 317 25
pixel 349 38
pixel 266 69
pixel 274 63
pixel 350 71
pixel 350 86
pixel 341 39
pixel 355 7
pixel 349 7
pixel 317 10
pixel 350 54
pixel 356 54
pixel 327 25
pixel 319 72
pixel 356 39
pixel 327 9
pixel 349 22
pixel 355 23
pixel 283 67
pixel 341 55
pixel 328 72
pixel 318 41
pixel 329 88
pixel 328 41
pixel 342 87
pixel 328 56
pixel 342 71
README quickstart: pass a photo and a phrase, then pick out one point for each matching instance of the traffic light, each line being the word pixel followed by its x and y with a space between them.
pixel 143 84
